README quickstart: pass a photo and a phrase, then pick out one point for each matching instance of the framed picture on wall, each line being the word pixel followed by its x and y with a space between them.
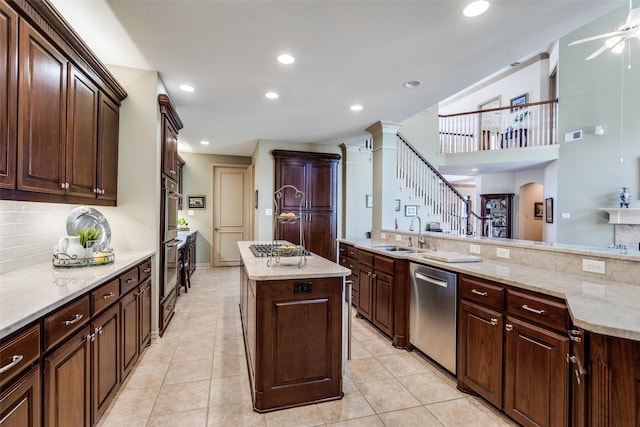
pixel 548 209
pixel 518 100
pixel 410 210
pixel 196 202
pixel 537 209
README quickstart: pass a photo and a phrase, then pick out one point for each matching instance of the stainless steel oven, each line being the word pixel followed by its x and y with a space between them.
pixel 170 240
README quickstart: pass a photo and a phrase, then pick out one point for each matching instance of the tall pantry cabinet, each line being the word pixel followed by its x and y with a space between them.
pixel 315 174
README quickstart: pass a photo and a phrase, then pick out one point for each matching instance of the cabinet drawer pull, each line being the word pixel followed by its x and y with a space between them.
pixel 107 296
pixel 508 327
pixel 494 321
pixel 147 270
pixel 477 292
pixel 14 361
pixel 532 310
pixel 131 279
pixel 75 319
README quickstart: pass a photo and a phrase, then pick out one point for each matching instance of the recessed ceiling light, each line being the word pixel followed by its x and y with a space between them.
pixel 356 107
pixel 412 83
pixel 475 170
pixel 186 88
pixel 272 95
pixel 476 8
pixel 286 59
pixel 204 142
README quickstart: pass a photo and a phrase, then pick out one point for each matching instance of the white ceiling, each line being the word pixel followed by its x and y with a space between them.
pixel 347 52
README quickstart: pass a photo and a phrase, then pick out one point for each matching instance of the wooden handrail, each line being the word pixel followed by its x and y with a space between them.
pixel 426 162
pixel 509 107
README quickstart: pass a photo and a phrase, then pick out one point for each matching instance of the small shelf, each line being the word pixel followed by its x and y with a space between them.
pixel 629 216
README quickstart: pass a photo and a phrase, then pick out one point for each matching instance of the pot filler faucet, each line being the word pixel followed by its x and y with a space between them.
pixel 421 240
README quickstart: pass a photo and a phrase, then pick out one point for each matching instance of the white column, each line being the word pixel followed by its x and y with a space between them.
pixel 385 186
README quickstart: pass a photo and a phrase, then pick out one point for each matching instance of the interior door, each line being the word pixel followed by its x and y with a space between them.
pixel 230 213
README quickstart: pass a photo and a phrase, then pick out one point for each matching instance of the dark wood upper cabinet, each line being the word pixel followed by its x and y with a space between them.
pixel 171 125
pixel 107 163
pixel 315 174
pixel 82 134
pixel 8 94
pixel 41 114
pixel 59 111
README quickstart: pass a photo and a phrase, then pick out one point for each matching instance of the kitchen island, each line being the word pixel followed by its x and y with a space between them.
pixel 292 320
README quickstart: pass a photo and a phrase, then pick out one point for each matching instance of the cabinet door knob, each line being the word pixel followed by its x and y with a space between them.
pixel 508 327
pixel 494 321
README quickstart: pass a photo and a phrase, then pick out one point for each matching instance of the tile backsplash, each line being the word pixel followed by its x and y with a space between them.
pixel 28 232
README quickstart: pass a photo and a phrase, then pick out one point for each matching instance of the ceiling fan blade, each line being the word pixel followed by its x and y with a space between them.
pixel 596 53
pixel 601 36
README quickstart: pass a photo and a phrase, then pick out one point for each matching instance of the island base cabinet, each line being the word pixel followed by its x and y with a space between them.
pixel 536 378
pixel 294 342
pixel 614 381
pixel 20 404
pixel 67 383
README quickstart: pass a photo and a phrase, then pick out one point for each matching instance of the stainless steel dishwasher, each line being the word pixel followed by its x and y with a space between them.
pixel 432 327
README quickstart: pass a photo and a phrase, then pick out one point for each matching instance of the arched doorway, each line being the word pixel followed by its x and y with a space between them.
pixel 530 216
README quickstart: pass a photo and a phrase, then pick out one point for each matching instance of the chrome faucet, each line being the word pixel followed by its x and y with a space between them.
pixel 421 240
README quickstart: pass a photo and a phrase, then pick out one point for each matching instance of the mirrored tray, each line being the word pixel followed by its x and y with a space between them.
pixel 84 217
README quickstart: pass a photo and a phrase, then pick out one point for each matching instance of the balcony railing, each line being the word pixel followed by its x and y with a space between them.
pixel 504 128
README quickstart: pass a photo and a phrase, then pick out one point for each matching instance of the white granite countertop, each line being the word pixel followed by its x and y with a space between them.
pixel 29 293
pixel 287 268
pixel 601 306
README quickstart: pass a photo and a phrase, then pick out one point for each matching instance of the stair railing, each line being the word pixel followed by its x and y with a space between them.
pixel 526 125
pixel 434 192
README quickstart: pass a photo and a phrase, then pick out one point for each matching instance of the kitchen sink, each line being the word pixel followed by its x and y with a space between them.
pixel 396 249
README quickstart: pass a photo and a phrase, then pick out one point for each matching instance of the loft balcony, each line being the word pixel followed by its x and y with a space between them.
pixel 499 129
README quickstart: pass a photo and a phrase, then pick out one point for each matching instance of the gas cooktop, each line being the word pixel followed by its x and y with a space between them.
pixel 266 249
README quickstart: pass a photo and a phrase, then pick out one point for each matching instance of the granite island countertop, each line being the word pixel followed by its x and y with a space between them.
pixel 315 266
pixel 29 293
pixel 601 306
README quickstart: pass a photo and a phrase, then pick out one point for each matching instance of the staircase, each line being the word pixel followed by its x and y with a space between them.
pixel 433 191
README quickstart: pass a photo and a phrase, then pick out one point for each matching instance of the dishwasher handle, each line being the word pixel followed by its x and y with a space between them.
pixel 430 280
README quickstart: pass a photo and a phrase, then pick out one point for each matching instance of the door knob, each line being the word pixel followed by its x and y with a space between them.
pixel 217 228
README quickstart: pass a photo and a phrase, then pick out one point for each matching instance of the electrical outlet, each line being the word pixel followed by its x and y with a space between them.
pixel 566 215
pixel 502 253
pixel 593 266
pixel 474 249
pixel 383 236
pixel 399 237
pixel 268 212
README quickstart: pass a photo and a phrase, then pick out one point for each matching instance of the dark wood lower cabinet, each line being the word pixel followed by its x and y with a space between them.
pixel 105 361
pixel 130 324
pixel 480 349
pixel 614 398
pixel 67 383
pixel 536 375
pixel 21 403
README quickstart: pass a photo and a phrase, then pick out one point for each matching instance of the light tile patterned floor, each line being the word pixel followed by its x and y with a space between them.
pixel 196 375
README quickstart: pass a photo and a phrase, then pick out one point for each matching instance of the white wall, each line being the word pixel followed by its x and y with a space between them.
pixel 530 79
pixel 605 92
pixel 358 170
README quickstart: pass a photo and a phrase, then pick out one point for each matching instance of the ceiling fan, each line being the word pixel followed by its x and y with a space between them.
pixel 616 40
